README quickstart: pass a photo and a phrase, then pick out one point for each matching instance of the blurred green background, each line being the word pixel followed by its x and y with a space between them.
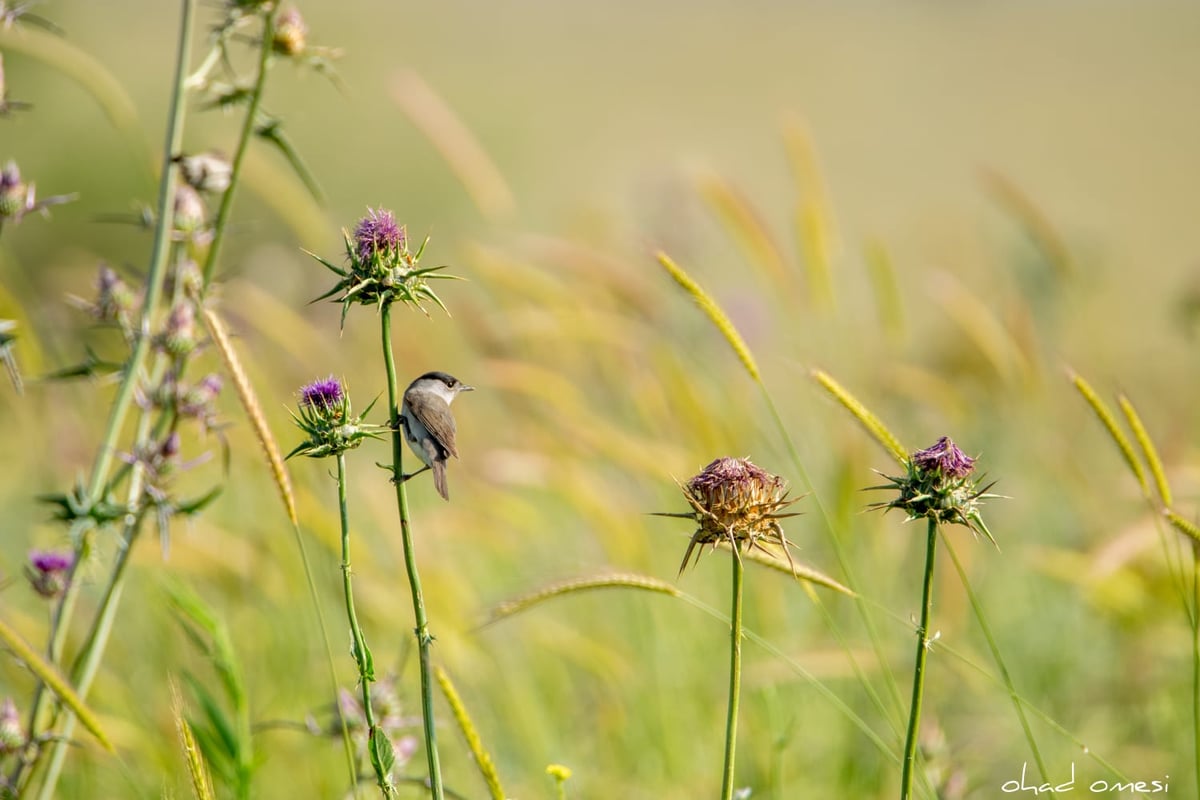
pixel 1030 171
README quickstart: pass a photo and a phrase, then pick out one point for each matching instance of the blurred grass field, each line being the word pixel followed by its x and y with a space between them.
pixel 1026 171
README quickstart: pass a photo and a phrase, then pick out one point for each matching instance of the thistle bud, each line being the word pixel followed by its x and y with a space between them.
pixel 178 336
pixel 12 737
pixel 13 193
pixel 197 402
pixel 938 486
pixel 190 213
pixel 49 571
pixel 290 33
pixel 114 299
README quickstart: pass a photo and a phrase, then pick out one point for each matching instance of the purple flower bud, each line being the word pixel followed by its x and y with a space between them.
pixel 114 299
pixel 189 210
pixel 178 336
pixel 290 33
pixel 12 737
pixel 323 393
pixel 48 571
pixel 944 458
pixel 13 193
pixel 378 234
pixel 10 176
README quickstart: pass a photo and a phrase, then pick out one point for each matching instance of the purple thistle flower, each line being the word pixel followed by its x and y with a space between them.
pixel 322 393
pixel 47 571
pixel 378 234
pixel 944 458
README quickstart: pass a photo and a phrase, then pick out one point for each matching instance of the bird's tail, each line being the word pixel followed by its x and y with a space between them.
pixel 439 478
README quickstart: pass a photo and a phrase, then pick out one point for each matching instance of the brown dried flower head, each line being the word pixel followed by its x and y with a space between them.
pixel 736 501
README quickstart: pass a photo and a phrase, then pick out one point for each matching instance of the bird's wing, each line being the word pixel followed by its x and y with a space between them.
pixel 441 426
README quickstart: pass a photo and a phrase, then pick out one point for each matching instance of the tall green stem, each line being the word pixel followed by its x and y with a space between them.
pixel 735 674
pixel 918 691
pixel 226 207
pixel 362 656
pixel 98 480
pixel 424 637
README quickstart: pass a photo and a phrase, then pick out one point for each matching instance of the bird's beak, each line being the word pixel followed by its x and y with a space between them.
pixel 466 388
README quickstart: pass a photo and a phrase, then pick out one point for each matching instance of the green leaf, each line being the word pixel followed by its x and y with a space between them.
pixel 218 723
pixel 383 756
pixel 271 129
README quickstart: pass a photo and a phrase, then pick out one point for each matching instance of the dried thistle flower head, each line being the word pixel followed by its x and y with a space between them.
pixel 736 501
pixel 939 487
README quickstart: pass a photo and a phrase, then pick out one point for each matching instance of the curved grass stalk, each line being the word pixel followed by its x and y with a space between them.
pixel 654 585
pixel 1004 674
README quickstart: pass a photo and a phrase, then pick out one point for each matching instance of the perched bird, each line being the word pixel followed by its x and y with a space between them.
pixel 429 425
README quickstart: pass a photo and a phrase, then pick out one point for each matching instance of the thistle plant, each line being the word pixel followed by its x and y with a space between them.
pixel 131 482
pixel 734 501
pixel 325 415
pixel 382 271
pixel 938 487
pixel 19 199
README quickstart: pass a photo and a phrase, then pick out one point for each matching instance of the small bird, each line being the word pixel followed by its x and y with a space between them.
pixel 429 425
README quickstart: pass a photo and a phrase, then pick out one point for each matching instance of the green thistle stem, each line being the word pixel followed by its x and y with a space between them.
pixel 424 637
pixel 98 480
pixel 226 207
pixel 918 691
pixel 362 656
pixel 735 674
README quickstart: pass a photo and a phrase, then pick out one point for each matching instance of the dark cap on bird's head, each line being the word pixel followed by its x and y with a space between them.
pixel 450 381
